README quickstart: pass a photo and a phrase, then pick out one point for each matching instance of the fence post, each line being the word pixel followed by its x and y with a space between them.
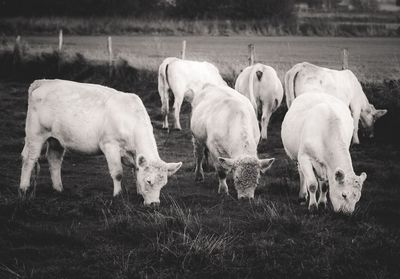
pixel 251 54
pixel 110 55
pixel 17 52
pixel 60 40
pixel 345 59
pixel 183 49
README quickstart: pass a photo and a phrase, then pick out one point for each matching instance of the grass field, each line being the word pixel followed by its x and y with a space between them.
pixel 372 59
pixel 86 233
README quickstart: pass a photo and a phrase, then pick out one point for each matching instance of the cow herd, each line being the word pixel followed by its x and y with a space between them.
pixel 324 110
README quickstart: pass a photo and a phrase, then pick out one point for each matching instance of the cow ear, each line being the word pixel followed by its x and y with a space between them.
pixel 226 163
pixel 141 161
pixel 173 168
pixel 363 176
pixel 379 113
pixel 259 75
pixel 265 164
pixel 339 176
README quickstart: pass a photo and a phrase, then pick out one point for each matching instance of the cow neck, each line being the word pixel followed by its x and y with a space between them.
pixel 145 144
pixel 246 144
pixel 340 158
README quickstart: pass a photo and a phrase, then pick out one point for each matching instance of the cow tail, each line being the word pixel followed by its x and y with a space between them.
pixel 163 84
pixel 290 79
pixel 252 76
pixel 163 87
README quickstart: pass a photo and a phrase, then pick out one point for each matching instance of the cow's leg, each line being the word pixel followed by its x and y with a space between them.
pixel 355 111
pixel 165 122
pixel 310 181
pixel 55 153
pixel 303 194
pixel 323 189
pixel 198 155
pixel 222 186
pixel 113 157
pixel 177 109
pixel 30 155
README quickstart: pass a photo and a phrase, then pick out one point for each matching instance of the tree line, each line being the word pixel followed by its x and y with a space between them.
pixel 189 9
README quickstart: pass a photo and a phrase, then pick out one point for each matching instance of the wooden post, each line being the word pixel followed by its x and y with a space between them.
pixel 345 59
pixel 183 49
pixel 17 51
pixel 60 40
pixel 110 55
pixel 251 54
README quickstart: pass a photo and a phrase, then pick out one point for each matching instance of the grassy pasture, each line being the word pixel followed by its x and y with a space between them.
pixel 372 59
pixel 85 233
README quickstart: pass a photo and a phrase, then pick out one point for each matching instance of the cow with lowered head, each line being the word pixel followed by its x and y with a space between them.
pixel 305 77
pixel 224 122
pixel 316 132
pixel 93 119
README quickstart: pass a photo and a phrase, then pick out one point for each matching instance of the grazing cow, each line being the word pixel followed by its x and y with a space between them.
pixel 93 119
pixel 261 85
pixel 183 78
pixel 316 132
pixel 306 77
pixel 223 121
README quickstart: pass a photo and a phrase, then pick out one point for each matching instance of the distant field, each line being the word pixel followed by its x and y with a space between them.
pixel 372 59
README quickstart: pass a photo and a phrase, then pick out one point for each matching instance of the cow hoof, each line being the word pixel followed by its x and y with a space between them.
pixel 302 201
pixel 322 206
pixel 199 178
pixel 58 189
pixel 223 192
pixel 22 193
pixel 26 194
pixel 313 208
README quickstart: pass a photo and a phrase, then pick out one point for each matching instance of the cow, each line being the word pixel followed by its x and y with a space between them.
pixel 316 132
pixel 183 78
pixel 306 77
pixel 261 85
pixel 223 122
pixel 92 119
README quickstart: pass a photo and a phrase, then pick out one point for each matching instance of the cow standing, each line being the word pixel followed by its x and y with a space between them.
pixel 223 121
pixel 317 132
pixel 261 85
pixel 183 78
pixel 305 77
pixel 92 119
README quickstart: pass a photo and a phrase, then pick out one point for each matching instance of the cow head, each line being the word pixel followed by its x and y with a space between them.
pixel 151 176
pixel 246 172
pixel 346 191
pixel 368 117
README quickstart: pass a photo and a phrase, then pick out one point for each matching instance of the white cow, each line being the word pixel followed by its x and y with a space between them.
pixel 184 79
pixel 93 119
pixel 261 85
pixel 223 121
pixel 316 132
pixel 306 77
